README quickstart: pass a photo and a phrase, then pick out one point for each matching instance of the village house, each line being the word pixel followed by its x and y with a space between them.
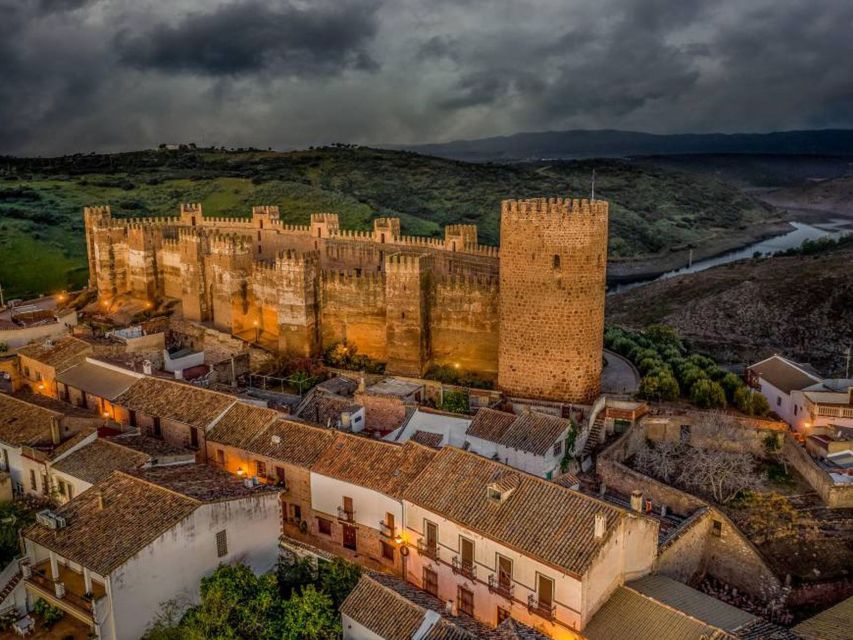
pixel 356 489
pixel 94 384
pixel 828 403
pixel 777 378
pixel 89 464
pixel 659 608
pixel 382 607
pixel 432 428
pixel 40 362
pixel 256 443
pixel 177 412
pixel 37 432
pixel 113 555
pixel 495 543
pixel 533 442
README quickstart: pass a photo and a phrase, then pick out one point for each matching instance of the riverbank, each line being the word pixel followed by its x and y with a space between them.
pixel 650 267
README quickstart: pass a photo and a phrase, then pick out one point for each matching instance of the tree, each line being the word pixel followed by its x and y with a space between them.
pixel 310 615
pixel 455 401
pixel 731 382
pixel 722 474
pixel 751 403
pixel 337 578
pixel 660 461
pixel 293 574
pixel 659 386
pixel 707 394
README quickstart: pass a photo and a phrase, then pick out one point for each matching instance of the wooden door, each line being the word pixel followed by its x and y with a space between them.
pixel 349 537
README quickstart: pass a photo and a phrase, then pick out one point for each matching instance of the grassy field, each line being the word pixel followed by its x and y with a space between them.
pixel 41 200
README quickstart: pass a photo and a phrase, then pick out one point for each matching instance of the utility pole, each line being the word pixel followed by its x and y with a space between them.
pixel 847 367
pixel 2 304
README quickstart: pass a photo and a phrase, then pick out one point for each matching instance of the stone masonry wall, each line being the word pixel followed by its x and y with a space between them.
pixel 552 281
pixel 535 320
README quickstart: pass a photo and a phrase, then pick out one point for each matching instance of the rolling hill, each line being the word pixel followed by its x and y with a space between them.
pixel 654 211
pixel 580 143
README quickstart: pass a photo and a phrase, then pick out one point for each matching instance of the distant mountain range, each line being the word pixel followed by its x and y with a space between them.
pixel 573 144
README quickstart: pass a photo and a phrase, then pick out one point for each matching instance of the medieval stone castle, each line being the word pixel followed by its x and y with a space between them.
pixel 530 314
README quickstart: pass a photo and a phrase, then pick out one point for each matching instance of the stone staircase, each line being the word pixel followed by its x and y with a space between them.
pixel 9 587
pixel 594 437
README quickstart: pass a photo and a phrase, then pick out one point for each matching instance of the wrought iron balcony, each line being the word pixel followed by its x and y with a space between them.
pixel 464 567
pixel 346 516
pixel 386 530
pixel 501 587
pixel 547 610
pixel 427 550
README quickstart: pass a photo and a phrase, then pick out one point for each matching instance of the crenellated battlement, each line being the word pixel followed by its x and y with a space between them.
pixel 266 210
pixel 530 312
pixel 539 207
pixel 470 282
pixel 407 263
pixel 293 258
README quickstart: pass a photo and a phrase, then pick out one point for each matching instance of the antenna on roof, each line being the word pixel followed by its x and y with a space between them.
pixel 592 195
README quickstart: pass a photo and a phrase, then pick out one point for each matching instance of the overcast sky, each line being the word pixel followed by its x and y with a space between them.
pixel 102 75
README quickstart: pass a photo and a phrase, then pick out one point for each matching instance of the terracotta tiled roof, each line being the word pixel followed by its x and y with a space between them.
pixel 454 485
pixel 394 610
pixel 246 418
pixel 135 514
pixel 200 482
pixel 835 623
pixel 490 425
pixel 286 440
pixel 177 401
pixel 382 466
pixel 154 448
pixel 325 409
pixel 656 607
pixel 627 614
pixel 60 354
pixel 70 442
pixel 535 433
pixel 427 439
pixel 95 461
pixel 23 423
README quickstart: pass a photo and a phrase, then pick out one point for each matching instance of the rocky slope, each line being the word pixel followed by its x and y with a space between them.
pixel 800 306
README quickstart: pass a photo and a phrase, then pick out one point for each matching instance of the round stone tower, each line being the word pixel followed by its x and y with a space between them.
pixel 553 262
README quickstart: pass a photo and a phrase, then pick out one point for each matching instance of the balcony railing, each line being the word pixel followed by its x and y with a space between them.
pixel 501 587
pixel 427 550
pixel 547 610
pixel 386 530
pixel 464 567
pixel 67 592
pixel 345 515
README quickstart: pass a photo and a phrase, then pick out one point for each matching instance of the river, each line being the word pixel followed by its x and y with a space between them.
pixel 800 233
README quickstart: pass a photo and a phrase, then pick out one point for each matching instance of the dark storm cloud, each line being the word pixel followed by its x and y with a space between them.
pixel 247 37
pixel 82 75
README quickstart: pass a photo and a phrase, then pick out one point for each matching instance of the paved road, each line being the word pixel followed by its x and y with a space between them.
pixel 619 376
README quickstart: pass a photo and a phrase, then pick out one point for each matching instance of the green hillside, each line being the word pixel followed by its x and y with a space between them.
pixel 41 200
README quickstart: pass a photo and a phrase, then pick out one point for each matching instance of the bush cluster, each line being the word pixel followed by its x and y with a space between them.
pixel 669 371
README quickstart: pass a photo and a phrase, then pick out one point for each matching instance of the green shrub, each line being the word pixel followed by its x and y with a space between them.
pixel 707 394
pixel 49 614
pixel 659 387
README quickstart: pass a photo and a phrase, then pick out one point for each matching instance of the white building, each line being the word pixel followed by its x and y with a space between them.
pixel 432 428
pixel 777 378
pixel 114 554
pixel 532 442
pixel 382 607
pixel 356 488
pixel 495 542
pixel 37 432
pixel 828 403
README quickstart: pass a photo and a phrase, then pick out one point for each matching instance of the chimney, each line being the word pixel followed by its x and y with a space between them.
pixel 146 367
pixel 637 500
pixel 361 385
pixel 55 431
pixel 99 496
pixel 600 526
pixel 450 608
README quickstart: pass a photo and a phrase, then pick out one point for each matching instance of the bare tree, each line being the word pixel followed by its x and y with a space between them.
pixel 660 461
pixel 723 474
